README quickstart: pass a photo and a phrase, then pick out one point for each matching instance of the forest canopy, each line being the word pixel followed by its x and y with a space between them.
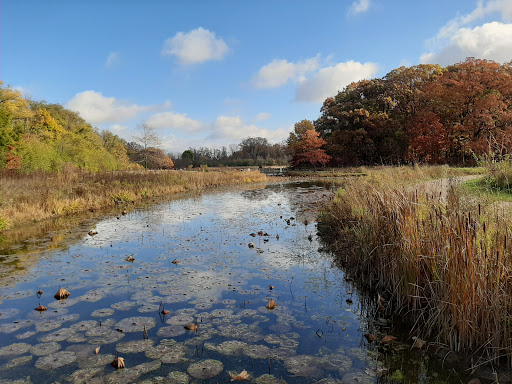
pixel 424 113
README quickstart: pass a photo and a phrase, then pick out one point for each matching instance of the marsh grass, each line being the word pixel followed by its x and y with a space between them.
pixel 40 196
pixel 446 261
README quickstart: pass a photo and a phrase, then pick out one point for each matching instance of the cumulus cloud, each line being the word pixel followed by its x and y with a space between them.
pixel 328 81
pixel 360 6
pixel 232 128
pixel 484 8
pixel 491 41
pixel 462 36
pixel 96 108
pixel 196 46
pixel 173 120
pixel 112 59
pixel 262 116
pixel 279 72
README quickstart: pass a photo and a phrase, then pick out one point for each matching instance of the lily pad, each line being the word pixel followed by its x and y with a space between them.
pixel 59 335
pixel 15 325
pixel 257 351
pixel 124 305
pixel 44 349
pixel 230 348
pixel 205 369
pixel 7 313
pixel 171 331
pixel 104 312
pixel 136 324
pixel 55 360
pixel 47 325
pixel 268 379
pixel 15 349
pixel 134 346
pixel 22 360
pixel 180 320
pixel 304 365
pixel 358 378
pixel 87 375
pixel 177 377
pixel 84 326
pixel 95 361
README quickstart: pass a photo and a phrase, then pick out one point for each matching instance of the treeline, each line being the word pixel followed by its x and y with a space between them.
pixel 37 136
pixel 424 113
pixel 253 151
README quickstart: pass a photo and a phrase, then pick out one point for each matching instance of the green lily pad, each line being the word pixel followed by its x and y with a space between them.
pixel 55 360
pixel 44 349
pixel 15 349
pixel 205 369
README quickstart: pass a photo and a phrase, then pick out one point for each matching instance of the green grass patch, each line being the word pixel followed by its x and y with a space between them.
pixel 483 189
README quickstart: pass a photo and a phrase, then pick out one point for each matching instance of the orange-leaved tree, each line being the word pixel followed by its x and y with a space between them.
pixel 305 146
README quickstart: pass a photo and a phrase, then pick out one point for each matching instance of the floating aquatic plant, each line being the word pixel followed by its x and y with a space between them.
pixel 205 369
pixel 55 360
pixel 15 349
pixel 44 349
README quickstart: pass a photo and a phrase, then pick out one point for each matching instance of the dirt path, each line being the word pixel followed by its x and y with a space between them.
pixel 441 187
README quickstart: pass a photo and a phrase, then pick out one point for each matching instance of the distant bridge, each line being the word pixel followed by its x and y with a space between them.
pixel 274 171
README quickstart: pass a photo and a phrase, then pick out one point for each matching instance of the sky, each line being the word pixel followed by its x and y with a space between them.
pixel 212 73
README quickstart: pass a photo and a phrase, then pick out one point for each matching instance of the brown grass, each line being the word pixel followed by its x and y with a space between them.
pixel 36 197
pixel 447 263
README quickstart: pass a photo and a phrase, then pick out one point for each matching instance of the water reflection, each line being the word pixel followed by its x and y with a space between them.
pixel 216 282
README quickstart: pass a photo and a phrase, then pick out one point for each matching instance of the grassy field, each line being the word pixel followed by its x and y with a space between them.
pixel 440 252
pixel 39 196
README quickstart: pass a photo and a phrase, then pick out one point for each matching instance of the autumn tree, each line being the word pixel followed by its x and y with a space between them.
pixel 305 146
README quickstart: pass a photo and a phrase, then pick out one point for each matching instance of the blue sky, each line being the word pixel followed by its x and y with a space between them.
pixel 211 73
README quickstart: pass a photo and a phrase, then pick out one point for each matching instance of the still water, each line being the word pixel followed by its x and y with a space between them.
pixel 212 263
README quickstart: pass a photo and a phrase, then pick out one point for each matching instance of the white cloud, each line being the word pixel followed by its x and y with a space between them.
pixel 491 41
pixel 484 8
pixel 232 128
pixel 262 116
pixel 118 128
pixel 112 59
pixel 279 72
pixel 173 121
pixel 96 108
pixel 196 46
pixel 359 6
pixel 462 36
pixel 328 81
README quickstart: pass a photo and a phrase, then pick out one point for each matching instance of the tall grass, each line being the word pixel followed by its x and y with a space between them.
pixel 447 262
pixel 39 196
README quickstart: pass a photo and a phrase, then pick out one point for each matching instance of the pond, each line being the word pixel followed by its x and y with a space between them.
pixel 215 264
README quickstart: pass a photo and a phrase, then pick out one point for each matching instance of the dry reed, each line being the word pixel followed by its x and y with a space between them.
pixel 40 196
pixel 446 262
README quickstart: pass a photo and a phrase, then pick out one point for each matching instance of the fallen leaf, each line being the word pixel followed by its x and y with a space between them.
pixel 175 261
pixel 191 327
pixel 97 350
pixel 271 287
pixel 62 294
pixel 118 363
pixel 165 312
pixel 418 343
pixel 92 233
pixel 241 376
pixel 41 308
pixel 130 258
pixel 388 339
pixel 251 245
pixel 39 292
pixel 371 338
pixel 271 304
